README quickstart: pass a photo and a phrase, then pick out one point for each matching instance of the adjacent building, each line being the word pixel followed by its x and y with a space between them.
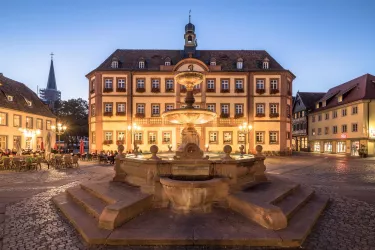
pixel 303 104
pixel 50 95
pixel 343 120
pixel 242 86
pixel 24 118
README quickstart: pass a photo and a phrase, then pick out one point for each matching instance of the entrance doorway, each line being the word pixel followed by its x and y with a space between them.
pixel 355 148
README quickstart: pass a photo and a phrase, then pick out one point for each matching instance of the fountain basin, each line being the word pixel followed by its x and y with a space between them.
pixel 195 195
pixel 189 116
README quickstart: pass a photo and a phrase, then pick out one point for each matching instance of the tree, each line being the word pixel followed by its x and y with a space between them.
pixel 74 114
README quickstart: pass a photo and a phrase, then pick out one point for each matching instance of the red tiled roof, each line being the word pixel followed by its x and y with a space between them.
pixel 20 91
pixel 227 59
pixel 360 88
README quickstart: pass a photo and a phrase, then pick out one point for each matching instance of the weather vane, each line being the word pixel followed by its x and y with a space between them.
pixel 189 15
pixel 52 55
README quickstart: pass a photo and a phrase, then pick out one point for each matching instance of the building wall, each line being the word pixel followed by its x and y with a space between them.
pixel 9 131
pixel 99 124
pixel 365 120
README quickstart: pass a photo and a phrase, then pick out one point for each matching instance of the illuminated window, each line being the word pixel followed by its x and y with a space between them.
pixel 213 137
pixel 167 137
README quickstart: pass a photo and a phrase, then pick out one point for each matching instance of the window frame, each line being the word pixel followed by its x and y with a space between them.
pixel 277 137
pixel 243 84
pixel 209 137
pixel 213 90
pixel 356 110
pixel 152 109
pixel 260 104
pixel 344 112
pixel 264 83
pixel 231 137
pixel 20 120
pixel 138 141
pixel 162 137
pixel 144 108
pixel 342 128
pixel 105 107
pixel 263 133
pixel 6 119
pixel 105 83
pixel 221 108
pixel 224 90
pixel 48 127
pixel 169 90
pixel 214 104
pixel 156 137
pixel 356 127
pixel 32 122
pixel 165 106
pixel 140 79
pixel 118 79
pixel 242 108
pixel 277 83
pixel 41 123
pixel 117 106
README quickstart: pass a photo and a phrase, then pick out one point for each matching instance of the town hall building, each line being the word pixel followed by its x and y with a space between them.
pixel 131 89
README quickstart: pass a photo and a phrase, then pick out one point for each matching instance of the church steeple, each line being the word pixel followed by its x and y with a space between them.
pixel 190 37
pixel 51 84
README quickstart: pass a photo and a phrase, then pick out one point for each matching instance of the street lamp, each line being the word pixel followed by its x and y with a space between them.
pixel 245 129
pixel 133 130
pixel 59 130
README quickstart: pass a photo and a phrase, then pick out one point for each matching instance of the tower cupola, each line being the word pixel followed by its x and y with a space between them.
pixel 190 37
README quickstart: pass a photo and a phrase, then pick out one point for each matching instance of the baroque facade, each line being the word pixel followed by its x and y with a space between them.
pixel 24 118
pixel 303 104
pixel 343 121
pixel 242 86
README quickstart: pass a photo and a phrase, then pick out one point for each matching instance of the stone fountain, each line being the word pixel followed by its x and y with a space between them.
pixel 159 200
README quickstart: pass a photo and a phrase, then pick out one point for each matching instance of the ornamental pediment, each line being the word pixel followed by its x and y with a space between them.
pixel 191 64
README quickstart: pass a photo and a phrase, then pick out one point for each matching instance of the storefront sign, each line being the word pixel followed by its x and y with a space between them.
pixel 343 136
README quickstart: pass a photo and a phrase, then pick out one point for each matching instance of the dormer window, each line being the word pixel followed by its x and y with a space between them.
pixel 317 105
pixel 29 103
pixel 239 63
pixel 114 64
pixel 10 98
pixel 339 99
pixel 141 64
pixel 190 39
pixel 266 63
pixel 213 62
pixel 324 103
pixel 167 61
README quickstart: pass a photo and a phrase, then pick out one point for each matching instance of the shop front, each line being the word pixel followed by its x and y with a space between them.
pixel 328 147
pixel 354 148
pixel 317 146
pixel 341 147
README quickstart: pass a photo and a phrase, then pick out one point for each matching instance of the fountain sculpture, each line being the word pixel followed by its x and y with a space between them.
pixel 194 186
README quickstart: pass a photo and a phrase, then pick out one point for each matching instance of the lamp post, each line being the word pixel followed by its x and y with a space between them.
pixel 245 129
pixel 133 130
pixel 59 130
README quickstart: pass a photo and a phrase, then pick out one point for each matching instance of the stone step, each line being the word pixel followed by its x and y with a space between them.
pixel 84 223
pixel 269 192
pixel 301 224
pixel 296 200
pixel 90 203
pixel 112 192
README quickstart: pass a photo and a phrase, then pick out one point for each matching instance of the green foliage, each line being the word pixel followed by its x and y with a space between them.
pixel 74 114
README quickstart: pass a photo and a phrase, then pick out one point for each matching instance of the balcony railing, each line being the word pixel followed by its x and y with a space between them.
pixel 224 115
pixel 230 121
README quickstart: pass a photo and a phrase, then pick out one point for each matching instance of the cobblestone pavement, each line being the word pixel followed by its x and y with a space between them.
pixel 347 223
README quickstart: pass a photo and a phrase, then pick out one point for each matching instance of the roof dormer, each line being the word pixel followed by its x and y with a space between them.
pixel 213 61
pixel 167 61
pixel 239 63
pixel 10 98
pixel 266 63
pixel 114 64
pixel 141 63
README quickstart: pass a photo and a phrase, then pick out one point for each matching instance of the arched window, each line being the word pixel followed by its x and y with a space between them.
pixel 190 39
pixel 266 63
pixel 114 64
pixel 141 63
pixel 239 63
